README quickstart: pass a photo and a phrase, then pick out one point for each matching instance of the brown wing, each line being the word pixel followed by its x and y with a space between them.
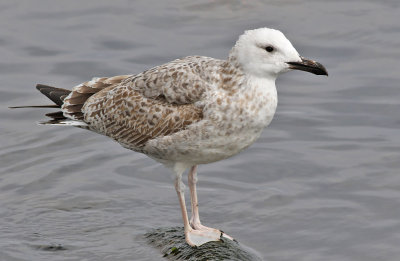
pixel 158 102
pixel 131 119
pixel 73 103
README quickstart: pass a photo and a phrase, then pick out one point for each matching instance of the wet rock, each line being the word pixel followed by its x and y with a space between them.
pixel 171 242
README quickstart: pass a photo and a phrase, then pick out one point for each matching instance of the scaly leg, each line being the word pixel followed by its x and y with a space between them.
pixel 192 180
pixel 195 219
pixel 193 237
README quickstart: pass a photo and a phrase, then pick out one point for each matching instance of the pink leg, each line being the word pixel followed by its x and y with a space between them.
pixel 179 187
pixel 195 219
pixel 192 180
pixel 193 237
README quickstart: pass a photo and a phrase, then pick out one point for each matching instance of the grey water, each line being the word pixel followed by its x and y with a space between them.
pixel 322 183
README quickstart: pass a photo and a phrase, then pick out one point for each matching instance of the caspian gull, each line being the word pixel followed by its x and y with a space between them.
pixel 190 111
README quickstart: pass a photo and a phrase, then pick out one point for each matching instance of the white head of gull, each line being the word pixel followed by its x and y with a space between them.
pixel 190 111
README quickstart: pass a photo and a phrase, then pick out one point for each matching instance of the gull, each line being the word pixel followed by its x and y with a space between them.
pixel 190 111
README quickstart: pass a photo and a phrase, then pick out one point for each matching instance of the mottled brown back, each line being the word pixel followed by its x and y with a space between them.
pixel 155 103
pixel 80 94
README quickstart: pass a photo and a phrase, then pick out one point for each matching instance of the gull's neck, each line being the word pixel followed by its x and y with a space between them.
pixel 238 83
pixel 232 65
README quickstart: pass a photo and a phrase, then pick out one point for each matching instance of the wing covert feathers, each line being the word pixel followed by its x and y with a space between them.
pixel 131 119
pixel 133 109
pixel 73 103
pixel 158 102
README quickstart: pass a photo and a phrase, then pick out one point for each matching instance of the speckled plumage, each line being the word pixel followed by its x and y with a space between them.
pixel 196 109
pixel 190 111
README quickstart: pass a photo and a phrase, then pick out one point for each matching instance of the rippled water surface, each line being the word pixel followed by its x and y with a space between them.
pixel 322 183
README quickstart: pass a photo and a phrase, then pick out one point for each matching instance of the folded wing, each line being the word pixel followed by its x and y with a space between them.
pixel 135 109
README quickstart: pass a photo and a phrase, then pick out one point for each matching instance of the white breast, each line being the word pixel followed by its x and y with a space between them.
pixel 236 121
pixel 249 108
pixel 232 121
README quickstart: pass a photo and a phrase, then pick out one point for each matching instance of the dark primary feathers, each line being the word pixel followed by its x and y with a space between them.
pixel 57 95
pixel 133 109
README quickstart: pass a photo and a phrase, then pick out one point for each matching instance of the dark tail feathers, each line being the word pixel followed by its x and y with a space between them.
pixel 57 95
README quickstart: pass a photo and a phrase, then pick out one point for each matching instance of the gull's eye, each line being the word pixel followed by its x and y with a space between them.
pixel 269 48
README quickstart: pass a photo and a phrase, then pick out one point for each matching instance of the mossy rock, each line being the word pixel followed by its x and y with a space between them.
pixel 171 242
